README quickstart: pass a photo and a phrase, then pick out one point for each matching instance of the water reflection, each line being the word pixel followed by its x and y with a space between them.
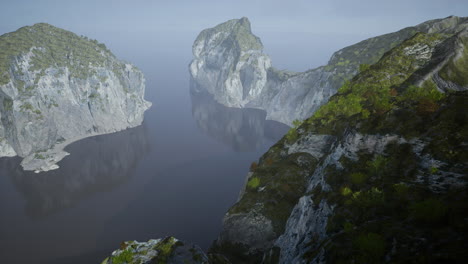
pixel 95 165
pixel 240 128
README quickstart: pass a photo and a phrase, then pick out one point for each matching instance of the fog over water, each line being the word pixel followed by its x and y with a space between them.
pixel 180 171
pixel 177 174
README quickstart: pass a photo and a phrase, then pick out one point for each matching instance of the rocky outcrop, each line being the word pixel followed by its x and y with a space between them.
pixel 168 250
pixel 229 64
pixel 377 174
pixel 56 88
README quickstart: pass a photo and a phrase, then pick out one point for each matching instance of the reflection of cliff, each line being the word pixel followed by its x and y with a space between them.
pixel 241 128
pixel 97 164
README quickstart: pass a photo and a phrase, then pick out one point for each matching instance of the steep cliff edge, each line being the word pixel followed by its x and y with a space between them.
pixel 377 174
pixel 56 88
pixel 229 64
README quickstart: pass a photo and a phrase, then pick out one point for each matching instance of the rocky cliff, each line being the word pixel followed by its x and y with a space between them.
pixel 229 64
pixel 377 174
pixel 56 88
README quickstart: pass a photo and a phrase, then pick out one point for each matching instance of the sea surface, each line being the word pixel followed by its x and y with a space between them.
pixel 176 174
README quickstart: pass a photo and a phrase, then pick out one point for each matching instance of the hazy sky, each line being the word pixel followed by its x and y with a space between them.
pixel 337 16
pixel 357 19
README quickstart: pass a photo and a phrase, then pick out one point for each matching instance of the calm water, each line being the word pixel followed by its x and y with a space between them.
pixel 177 174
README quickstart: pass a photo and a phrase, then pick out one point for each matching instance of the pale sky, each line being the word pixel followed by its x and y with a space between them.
pixel 316 16
pixel 348 20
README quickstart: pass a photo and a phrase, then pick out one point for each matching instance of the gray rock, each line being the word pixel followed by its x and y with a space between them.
pixel 169 250
pixel 44 109
pixel 251 229
pixel 306 224
pixel 229 64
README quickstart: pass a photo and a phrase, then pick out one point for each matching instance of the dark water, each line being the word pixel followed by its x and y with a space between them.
pixel 177 174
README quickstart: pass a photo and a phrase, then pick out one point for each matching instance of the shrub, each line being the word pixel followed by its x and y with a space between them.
pixel 253 182
pixel 371 247
pixel 292 135
pixel 358 178
pixel 363 67
pixel 125 256
pixel 345 191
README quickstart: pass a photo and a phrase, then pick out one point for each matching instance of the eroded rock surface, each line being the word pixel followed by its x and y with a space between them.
pixel 56 88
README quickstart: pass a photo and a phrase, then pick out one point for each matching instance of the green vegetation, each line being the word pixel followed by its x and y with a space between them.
pixel 39 156
pixel 390 204
pixel 7 104
pixel 165 249
pixel 345 191
pixel 371 248
pixel 357 57
pixel 387 207
pixel 379 201
pixel 375 91
pixel 241 35
pixel 26 106
pixel 52 47
pixel 363 67
pixel 253 183
pixel 126 256
pixel 283 181
pixel 358 178
pixel 292 135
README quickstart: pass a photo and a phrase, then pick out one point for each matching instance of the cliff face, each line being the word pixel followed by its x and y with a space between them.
pixel 57 87
pixel 377 174
pixel 229 64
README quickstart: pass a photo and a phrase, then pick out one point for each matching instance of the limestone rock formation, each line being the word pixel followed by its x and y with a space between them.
pixel 229 64
pixel 56 88
pixel 377 174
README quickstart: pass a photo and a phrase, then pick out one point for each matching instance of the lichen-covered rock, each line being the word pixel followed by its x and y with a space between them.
pixel 229 64
pixel 377 174
pixel 162 251
pixel 56 88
